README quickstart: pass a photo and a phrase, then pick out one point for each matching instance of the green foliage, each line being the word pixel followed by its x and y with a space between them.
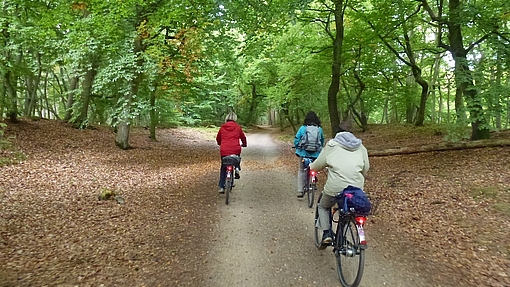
pixel 456 132
pixel 200 60
pixel 167 115
pixel 3 142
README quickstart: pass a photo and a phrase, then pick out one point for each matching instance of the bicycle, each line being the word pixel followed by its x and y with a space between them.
pixel 229 163
pixel 349 242
pixel 310 185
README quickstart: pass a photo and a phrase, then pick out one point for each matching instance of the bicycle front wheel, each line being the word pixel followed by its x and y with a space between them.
pixel 317 231
pixel 350 256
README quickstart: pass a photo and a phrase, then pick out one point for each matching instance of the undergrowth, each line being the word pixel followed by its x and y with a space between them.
pixel 8 154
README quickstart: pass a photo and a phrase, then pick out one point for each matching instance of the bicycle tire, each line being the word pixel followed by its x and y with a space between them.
pixel 228 188
pixel 317 231
pixel 350 257
pixel 311 194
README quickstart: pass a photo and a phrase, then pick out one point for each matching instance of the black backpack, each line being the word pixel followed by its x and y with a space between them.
pixel 310 141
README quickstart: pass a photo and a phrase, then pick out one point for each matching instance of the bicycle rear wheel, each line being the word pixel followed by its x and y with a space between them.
pixel 311 193
pixel 228 188
pixel 350 256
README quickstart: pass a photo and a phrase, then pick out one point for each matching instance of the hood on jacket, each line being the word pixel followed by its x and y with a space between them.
pixel 347 140
pixel 230 125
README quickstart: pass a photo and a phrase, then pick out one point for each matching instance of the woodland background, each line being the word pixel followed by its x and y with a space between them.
pixel 126 68
pixel 167 63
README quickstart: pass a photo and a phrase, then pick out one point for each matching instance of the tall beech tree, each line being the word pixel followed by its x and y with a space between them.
pixel 401 45
pixel 453 18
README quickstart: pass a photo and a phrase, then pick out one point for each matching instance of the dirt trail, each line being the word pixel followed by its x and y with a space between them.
pixel 175 230
pixel 265 237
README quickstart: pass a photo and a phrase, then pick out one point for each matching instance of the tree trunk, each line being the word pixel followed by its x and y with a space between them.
pixel 44 98
pixel 435 92
pixel 440 147
pixel 334 87
pixel 417 74
pixel 88 80
pixel 2 100
pixel 385 110
pixel 10 78
pixel 253 104
pixel 152 114
pixel 12 99
pixel 496 99
pixel 122 137
pixel 32 85
pixel 410 99
pixel 11 84
pixel 73 86
pixel 435 81
pixel 363 121
pixel 282 119
pixel 463 75
pixel 30 97
pixel 423 99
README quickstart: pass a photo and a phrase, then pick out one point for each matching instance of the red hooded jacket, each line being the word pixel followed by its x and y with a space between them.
pixel 229 137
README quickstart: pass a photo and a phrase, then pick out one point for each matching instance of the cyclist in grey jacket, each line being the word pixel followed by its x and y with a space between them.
pixel 347 161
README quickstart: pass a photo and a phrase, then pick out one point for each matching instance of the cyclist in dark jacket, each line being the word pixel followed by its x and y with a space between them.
pixel 230 138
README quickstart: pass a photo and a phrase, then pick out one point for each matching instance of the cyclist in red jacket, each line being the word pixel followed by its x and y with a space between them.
pixel 230 138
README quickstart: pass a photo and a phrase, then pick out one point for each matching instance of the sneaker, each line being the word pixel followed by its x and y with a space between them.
pixel 221 190
pixel 300 194
pixel 326 238
pixel 236 175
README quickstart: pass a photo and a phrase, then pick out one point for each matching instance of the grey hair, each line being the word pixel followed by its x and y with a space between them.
pixel 345 126
pixel 231 117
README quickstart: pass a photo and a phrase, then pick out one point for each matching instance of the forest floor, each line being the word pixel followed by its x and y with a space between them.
pixel 444 215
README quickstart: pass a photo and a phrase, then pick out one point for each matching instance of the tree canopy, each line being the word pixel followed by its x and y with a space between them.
pixel 169 63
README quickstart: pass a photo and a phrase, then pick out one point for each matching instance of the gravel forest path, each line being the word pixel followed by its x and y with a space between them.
pixel 174 229
pixel 264 237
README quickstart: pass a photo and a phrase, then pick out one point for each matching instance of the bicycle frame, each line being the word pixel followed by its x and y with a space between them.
pixel 311 175
pixel 345 217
